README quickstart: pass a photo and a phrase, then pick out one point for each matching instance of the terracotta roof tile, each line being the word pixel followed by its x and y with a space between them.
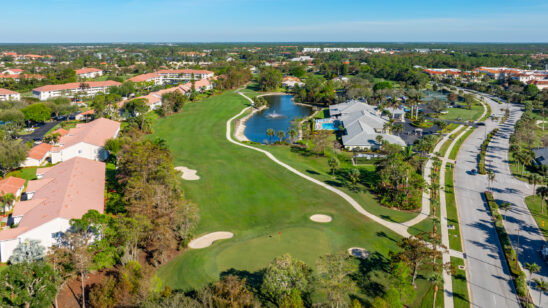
pixel 76 85
pixel 38 152
pixel 11 185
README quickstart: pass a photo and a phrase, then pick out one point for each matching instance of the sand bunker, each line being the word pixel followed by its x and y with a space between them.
pixel 188 174
pixel 358 252
pixel 208 239
pixel 320 218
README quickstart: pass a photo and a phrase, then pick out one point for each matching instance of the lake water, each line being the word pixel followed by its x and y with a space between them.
pixel 278 116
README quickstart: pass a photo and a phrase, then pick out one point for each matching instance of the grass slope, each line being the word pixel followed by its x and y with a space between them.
pixel 533 203
pixel 264 205
pixel 451 206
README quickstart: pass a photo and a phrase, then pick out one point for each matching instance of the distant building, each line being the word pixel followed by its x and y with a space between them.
pixel 88 88
pixel 8 95
pixel 541 84
pixel 89 72
pixel 13 71
pixel 291 82
pixel 302 59
pixel 173 76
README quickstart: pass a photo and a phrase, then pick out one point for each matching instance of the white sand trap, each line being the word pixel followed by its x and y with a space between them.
pixel 358 252
pixel 208 239
pixel 320 218
pixel 188 174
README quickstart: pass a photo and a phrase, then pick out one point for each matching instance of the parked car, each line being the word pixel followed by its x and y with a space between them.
pixel 544 253
pixel 473 172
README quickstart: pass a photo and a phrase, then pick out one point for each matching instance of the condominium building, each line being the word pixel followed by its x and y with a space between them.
pixel 89 88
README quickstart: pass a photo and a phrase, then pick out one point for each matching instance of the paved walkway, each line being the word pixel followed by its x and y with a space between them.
pixel 398 228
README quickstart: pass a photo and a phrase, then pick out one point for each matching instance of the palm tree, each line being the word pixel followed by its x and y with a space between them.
pixel 542 286
pixel 535 179
pixel 7 200
pixel 542 192
pixel 281 135
pixel 505 206
pixel 270 133
pixel 354 176
pixel 436 279
pixel 490 177
pixel 398 128
pixel 532 268
pixel 333 163
pixel 292 134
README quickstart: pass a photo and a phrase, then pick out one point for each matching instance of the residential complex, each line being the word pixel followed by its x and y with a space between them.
pixel 8 95
pixel 173 76
pixel 61 193
pixel 154 99
pixel 88 88
pixel 89 72
pixel 363 124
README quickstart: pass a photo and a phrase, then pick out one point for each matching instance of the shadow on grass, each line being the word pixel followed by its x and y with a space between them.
pixel 368 270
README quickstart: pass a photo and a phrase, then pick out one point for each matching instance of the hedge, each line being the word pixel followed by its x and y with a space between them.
pixel 483 151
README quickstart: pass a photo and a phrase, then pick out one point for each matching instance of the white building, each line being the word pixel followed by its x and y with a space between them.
pixel 88 88
pixel 61 193
pixel 89 72
pixel 8 95
pixel 86 140
pixel 38 155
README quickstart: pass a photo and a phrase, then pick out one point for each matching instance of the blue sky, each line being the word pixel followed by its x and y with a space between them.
pixel 273 20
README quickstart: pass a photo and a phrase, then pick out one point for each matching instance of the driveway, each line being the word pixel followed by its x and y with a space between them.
pixel 39 132
pixel 488 273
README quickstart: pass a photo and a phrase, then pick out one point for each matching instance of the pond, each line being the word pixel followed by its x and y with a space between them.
pixel 279 116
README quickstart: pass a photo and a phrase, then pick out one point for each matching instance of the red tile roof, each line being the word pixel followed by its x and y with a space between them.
pixel 86 70
pixel 61 131
pixel 6 92
pixel 96 132
pixel 76 85
pixel 38 152
pixel 69 190
pixel 11 185
pixel 20 76
pixel 144 77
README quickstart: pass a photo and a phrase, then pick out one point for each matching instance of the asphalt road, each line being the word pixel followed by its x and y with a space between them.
pixel 519 223
pixel 39 132
pixel 487 271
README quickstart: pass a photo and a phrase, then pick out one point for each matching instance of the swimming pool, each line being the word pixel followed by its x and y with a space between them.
pixel 328 126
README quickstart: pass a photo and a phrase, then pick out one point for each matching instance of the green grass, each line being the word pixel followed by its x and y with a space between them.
pixel 460 289
pixel 458 144
pixel 488 113
pixel 533 203
pixel 244 192
pixel 28 173
pixel 451 206
pixel 317 167
pixel 447 143
pixel 427 225
pixel 464 114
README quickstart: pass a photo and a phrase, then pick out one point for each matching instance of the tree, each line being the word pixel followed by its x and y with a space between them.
pixel 37 113
pixel 401 280
pixel 505 206
pixel 542 192
pixel 335 272
pixel 531 268
pixel 542 286
pixel 232 292
pixel 270 133
pixel 12 154
pixel 436 279
pixel 490 177
pixel 436 105
pixel 136 107
pixel 333 163
pixel 270 79
pixel 535 179
pixel 28 251
pixel 292 133
pixel 7 200
pixel 415 254
pixel 354 175
pixel 285 274
pixel 27 285
pixel 281 135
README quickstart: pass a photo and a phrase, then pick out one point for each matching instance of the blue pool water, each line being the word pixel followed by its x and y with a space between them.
pixel 328 126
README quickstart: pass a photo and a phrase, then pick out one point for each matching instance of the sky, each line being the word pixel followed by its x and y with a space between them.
pixel 77 21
